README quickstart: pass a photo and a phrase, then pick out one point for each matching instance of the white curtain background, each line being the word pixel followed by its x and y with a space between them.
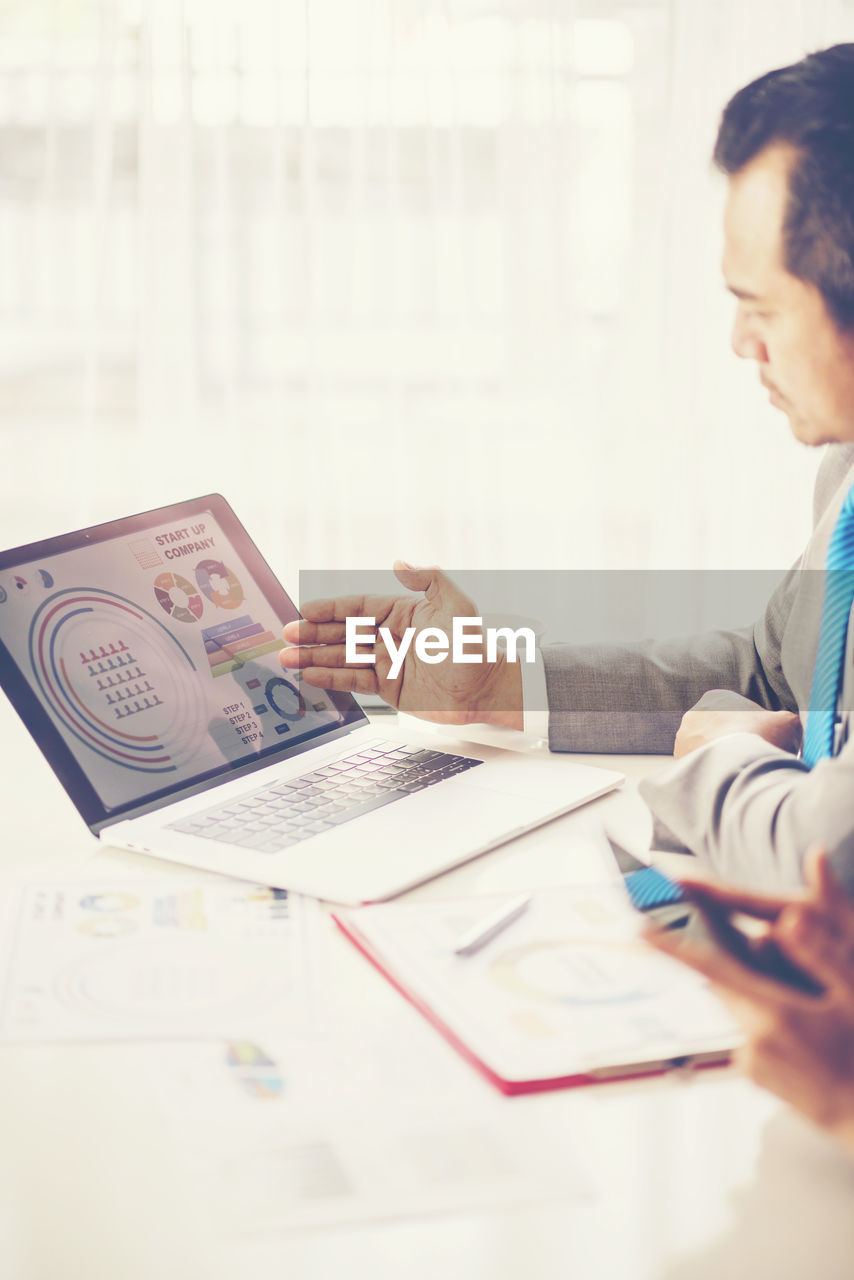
pixel 430 278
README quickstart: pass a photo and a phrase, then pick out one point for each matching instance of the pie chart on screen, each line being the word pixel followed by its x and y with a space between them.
pixel 178 597
pixel 221 586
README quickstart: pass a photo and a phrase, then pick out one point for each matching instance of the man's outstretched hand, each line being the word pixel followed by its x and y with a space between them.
pixel 446 692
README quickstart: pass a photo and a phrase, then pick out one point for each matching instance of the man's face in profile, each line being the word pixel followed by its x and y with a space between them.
pixel 804 359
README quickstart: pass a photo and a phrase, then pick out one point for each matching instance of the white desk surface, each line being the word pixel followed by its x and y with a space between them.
pixel 689 1176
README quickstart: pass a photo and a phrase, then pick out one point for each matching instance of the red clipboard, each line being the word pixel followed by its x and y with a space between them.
pixel 348 923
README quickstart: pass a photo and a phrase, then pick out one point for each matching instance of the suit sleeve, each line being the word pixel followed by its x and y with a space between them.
pixel 631 698
pixel 751 810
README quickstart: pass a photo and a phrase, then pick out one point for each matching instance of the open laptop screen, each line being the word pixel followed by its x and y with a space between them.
pixel 144 657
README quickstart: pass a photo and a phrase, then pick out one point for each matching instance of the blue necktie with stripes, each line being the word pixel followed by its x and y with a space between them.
pixel 838 599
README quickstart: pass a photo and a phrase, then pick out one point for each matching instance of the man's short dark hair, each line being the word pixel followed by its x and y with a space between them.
pixel 810 107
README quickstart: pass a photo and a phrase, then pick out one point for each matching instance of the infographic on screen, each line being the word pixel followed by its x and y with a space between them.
pixel 157 658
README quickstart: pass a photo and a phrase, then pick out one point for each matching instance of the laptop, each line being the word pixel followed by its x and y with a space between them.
pixel 142 655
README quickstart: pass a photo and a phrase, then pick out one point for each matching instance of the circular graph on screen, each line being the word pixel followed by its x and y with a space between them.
pixel 117 679
pixel 284 698
pixel 178 597
pixel 570 972
pixel 219 584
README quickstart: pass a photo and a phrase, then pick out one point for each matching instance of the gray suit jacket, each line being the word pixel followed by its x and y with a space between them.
pixel 746 807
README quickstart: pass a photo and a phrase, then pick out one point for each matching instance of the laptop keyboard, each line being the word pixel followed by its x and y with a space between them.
pixel 276 817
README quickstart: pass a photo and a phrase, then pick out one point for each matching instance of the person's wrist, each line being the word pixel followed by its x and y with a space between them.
pixel 500 700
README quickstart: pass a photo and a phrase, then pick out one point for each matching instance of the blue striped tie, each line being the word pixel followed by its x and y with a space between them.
pixel 836 610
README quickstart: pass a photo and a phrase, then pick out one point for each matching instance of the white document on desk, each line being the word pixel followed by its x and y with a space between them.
pixel 150 959
pixel 362 1123
pixel 568 993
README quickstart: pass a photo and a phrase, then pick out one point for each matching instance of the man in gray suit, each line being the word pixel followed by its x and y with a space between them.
pixel 736 793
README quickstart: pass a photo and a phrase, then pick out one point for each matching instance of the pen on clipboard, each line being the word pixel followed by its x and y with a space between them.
pixel 488 928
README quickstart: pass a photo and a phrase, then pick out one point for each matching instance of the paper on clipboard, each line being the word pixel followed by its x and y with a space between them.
pixel 568 994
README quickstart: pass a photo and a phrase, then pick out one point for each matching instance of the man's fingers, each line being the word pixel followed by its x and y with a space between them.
pixel 714 896
pixel 414 578
pixel 814 941
pixel 345 680
pixel 322 620
pixel 303 632
pixel 337 608
pixel 320 656
pixel 819 876
pixel 439 590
